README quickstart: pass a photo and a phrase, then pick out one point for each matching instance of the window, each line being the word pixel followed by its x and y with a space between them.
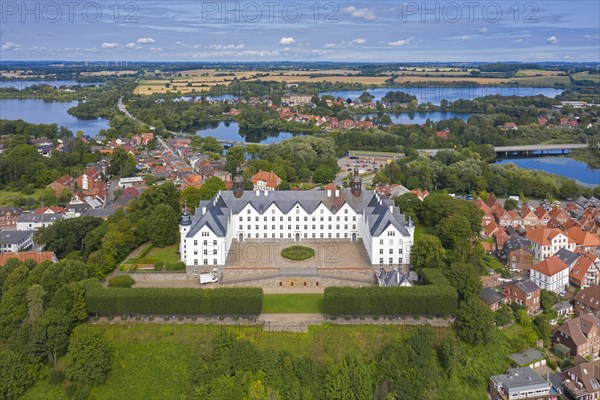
pixel 248 211
pixel 241 227
pixel 214 242
pixel 381 262
pixel 241 219
pixel 205 242
pixel 195 243
pixel 249 219
pixel 249 227
pixel 214 252
pixel 266 227
pixel 195 261
pixel 391 261
pixel 381 241
pixel 391 251
pixel 380 251
pixel 214 261
pixel 205 261
pixel 205 252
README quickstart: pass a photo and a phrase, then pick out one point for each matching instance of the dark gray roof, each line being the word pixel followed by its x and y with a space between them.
pixel 10 209
pixel 490 296
pixel 562 305
pixel 526 285
pixel 393 278
pixel 527 357
pixel 375 206
pixel 78 208
pixel 517 379
pixel 518 242
pixel 99 212
pixel 14 237
pixel 566 256
pixel 39 217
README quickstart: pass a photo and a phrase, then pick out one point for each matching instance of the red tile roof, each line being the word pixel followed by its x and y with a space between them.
pixel 550 266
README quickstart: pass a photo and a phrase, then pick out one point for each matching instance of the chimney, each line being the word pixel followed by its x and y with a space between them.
pixel 392 209
pixel 328 193
pixel 203 210
pixel 397 276
pixel 337 193
pixel 258 193
pixel 266 193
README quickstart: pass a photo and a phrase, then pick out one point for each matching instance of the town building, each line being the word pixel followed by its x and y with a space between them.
pixel 9 217
pixel 15 241
pixel 520 383
pixel 33 222
pixel 264 180
pixel 582 380
pixel 523 293
pixel 546 242
pixel 551 274
pixel 585 271
pixel 518 253
pixel 349 215
pixel 22 256
pixel 587 301
pixel 492 298
pixel 580 335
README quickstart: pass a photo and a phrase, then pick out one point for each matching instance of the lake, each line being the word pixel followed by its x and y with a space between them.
pixel 435 95
pixel 421 118
pixel 22 84
pixel 563 166
pixel 230 130
pixel 43 112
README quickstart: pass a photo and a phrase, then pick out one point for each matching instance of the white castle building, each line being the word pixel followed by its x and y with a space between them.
pixel 352 215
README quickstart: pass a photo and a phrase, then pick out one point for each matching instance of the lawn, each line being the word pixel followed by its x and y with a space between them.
pixel 8 197
pixel 293 304
pixel 586 76
pixel 167 254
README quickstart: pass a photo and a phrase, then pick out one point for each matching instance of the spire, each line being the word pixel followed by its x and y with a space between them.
pixel 356 183
pixel 238 183
pixel 186 218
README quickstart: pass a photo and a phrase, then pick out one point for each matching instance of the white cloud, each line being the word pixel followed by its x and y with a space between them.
pixel 286 41
pixel 146 40
pixel 38 48
pixel 465 37
pixel 227 46
pixel 483 30
pixel 11 46
pixel 552 40
pixel 363 13
pixel 400 43
pixel 343 44
pixel 107 45
pixel 178 43
pixel 156 49
pixel 518 40
pixel 130 46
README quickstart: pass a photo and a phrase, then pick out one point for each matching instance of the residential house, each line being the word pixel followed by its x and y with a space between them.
pixel 9 217
pixel 547 241
pixel 520 383
pixel 551 274
pixel 492 298
pixel 33 222
pixel 587 301
pixel 584 241
pixel 559 214
pixel 487 212
pixel 393 278
pixel 532 358
pixel 62 183
pixel 518 253
pixel 585 271
pixel 37 256
pixel 580 335
pixel 523 293
pixel 15 241
pixel 87 180
pixel 563 308
pixel 445 134
pixel 134 181
pixel 264 180
pixel 509 126
pixel 542 215
pixel 49 210
pixel 421 194
pixel 582 380
pixel 528 216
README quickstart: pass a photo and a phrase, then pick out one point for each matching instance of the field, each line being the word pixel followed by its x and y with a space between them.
pixel 293 304
pixel 167 254
pixel 536 72
pixel 8 197
pixel 586 76
pixel 538 81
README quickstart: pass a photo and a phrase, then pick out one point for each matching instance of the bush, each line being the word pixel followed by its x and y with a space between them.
pixel 187 301
pixel 159 265
pixel 177 266
pixel 121 281
pixel 298 253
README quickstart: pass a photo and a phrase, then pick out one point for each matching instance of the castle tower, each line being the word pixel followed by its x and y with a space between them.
pixel 238 183
pixel 184 226
pixel 356 183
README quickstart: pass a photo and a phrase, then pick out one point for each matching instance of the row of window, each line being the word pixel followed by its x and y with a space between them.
pixel 291 235
pixel 390 261
pixel 205 261
pixel 281 219
pixel 289 227
pixel 322 210
pixel 391 251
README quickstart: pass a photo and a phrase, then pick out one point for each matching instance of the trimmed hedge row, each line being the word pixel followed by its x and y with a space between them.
pixel 186 301
pixel 436 298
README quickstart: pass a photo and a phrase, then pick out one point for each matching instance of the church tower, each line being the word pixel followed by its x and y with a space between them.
pixel 238 183
pixel 356 183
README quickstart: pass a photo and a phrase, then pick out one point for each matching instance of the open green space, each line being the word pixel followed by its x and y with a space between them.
pixel 586 76
pixel 7 197
pixel 167 254
pixel 298 253
pixel 293 304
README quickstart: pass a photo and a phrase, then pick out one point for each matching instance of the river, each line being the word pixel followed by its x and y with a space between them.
pixel 563 166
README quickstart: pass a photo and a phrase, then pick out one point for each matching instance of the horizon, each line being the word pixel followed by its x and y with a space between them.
pixel 366 32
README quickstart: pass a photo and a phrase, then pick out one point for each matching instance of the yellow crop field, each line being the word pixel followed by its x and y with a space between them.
pixel 536 72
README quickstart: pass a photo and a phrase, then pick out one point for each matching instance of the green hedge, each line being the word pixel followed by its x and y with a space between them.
pixel 435 298
pixel 221 301
pixel 122 281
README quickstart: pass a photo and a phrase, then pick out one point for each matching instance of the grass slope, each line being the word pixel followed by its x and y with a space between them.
pixel 293 304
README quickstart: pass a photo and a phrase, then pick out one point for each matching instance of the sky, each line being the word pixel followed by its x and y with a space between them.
pixel 373 31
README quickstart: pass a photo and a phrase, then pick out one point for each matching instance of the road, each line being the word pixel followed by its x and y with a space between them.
pixel 164 144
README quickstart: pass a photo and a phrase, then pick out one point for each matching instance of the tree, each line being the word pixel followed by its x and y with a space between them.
pixel 568 189
pixel 474 322
pixel 324 173
pixel 349 378
pixel 454 231
pixel 66 235
pixel 88 359
pixel 236 155
pixel 211 187
pixel 191 196
pixel 465 279
pixel 163 226
pixel 50 334
pixel 510 204
pixel 122 164
pixel 19 371
pixel 410 205
pixel 35 301
pixel 210 144
pixel 427 252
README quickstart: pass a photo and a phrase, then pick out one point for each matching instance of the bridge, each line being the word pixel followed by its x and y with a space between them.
pixel 528 150
pixel 230 143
